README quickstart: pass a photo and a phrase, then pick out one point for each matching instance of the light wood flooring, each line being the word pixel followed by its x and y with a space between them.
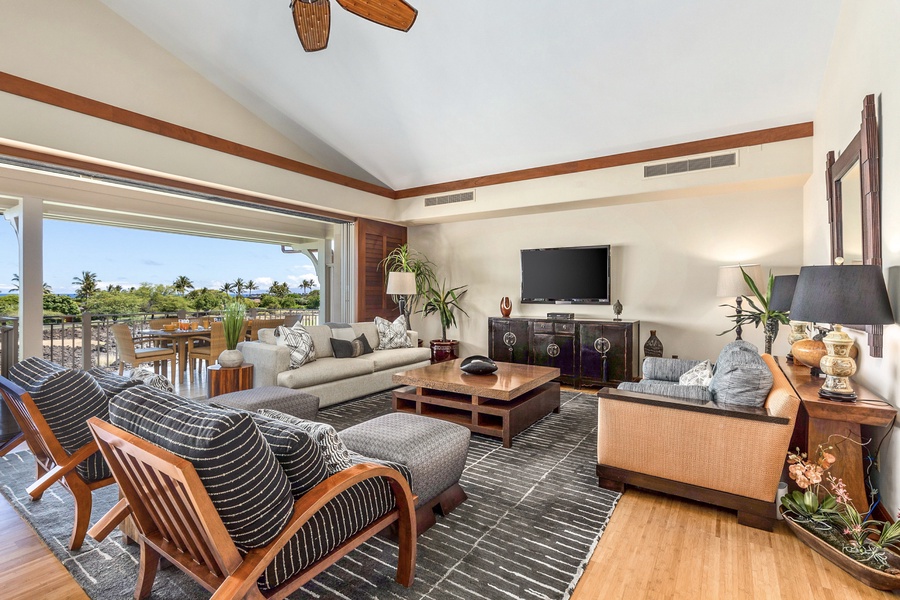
pixel 655 547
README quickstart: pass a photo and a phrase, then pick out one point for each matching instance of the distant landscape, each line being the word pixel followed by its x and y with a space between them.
pixel 164 298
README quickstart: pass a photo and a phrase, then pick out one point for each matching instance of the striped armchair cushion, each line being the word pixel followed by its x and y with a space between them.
pixel 333 524
pixel 112 383
pixel 297 453
pixel 243 478
pixel 67 399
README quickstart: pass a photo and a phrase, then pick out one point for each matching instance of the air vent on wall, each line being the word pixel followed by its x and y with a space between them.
pixel 450 198
pixel 692 164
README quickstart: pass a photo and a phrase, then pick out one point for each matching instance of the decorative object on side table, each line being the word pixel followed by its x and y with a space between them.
pixel 827 521
pixel 478 365
pixel 617 310
pixel 841 294
pixel 798 334
pixel 505 306
pixel 444 301
pixel 760 310
pixel 732 284
pixel 653 347
pixel 234 325
pixel 403 285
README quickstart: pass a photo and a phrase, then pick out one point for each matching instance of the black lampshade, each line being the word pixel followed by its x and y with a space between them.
pixel 783 292
pixel 847 294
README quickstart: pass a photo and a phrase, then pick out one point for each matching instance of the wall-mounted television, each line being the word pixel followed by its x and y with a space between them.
pixel 577 275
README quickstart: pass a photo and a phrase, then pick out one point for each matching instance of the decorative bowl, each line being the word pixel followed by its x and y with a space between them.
pixel 169 327
pixel 478 365
pixel 809 352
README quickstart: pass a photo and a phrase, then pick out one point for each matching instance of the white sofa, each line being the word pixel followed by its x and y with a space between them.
pixel 332 379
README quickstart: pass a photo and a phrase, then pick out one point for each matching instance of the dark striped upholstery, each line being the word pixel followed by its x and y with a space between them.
pixel 112 383
pixel 67 399
pixel 337 456
pixel 296 452
pixel 243 478
pixel 336 522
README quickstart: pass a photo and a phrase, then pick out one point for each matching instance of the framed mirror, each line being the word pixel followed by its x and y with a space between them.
pixel 853 184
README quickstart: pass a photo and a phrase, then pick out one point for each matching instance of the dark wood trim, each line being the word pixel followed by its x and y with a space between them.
pixel 87 106
pixel 751 512
pixel 751 138
pixel 90 167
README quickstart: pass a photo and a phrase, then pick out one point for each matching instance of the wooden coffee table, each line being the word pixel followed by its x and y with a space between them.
pixel 500 405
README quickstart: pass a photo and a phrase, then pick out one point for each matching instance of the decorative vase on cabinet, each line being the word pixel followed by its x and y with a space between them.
pixel 653 347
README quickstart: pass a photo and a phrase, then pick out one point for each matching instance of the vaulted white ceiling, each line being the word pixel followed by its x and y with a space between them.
pixel 487 86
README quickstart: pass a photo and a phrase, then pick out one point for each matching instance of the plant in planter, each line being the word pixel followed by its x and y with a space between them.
pixel 826 520
pixel 759 311
pixel 407 260
pixel 233 323
pixel 443 301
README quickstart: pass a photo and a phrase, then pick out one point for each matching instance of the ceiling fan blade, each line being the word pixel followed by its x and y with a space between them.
pixel 313 23
pixel 395 14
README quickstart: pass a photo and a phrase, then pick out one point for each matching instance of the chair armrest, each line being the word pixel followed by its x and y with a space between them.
pixel 666 369
pixel 268 361
pixel 670 390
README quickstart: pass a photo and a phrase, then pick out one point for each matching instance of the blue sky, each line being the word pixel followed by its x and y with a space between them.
pixel 129 257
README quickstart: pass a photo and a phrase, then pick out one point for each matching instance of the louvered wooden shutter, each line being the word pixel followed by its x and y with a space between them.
pixel 375 240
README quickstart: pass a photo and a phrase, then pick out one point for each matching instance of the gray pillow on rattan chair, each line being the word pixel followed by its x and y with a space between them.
pixel 741 376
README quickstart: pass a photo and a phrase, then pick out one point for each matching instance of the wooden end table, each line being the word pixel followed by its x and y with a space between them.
pixel 224 380
pixel 502 404
pixel 839 424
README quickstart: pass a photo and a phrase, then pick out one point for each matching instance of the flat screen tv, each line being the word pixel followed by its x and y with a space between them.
pixel 578 275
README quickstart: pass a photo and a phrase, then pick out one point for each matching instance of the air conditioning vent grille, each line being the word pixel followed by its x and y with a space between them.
pixel 450 198
pixel 693 164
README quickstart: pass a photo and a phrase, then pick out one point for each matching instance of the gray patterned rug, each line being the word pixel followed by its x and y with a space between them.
pixel 533 518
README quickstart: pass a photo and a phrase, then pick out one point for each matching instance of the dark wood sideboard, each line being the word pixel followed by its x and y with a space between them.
pixel 826 422
pixel 587 352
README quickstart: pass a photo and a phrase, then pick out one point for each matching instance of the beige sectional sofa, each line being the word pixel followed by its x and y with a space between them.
pixel 332 379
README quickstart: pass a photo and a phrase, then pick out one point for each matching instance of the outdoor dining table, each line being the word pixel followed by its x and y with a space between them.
pixel 181 338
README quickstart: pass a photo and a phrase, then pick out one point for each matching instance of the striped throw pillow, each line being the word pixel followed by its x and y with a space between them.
pixel 303 350
pixel 299 456
pixel 337 457
pixel 243 478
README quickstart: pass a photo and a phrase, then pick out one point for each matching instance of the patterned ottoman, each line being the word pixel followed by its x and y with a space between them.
pixel 286 400
pixel 433 450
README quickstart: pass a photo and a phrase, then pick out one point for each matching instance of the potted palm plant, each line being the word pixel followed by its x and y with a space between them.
pixel 759 312
pixel 406 260
pixel 444 301
pixel 233 323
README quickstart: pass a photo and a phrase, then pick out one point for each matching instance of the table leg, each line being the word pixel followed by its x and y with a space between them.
pixel 182 357
pixel 845 438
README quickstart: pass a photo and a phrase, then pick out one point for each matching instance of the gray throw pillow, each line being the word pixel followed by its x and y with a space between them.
pixel 741 376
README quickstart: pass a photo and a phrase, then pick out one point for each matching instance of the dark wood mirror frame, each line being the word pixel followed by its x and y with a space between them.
pixel 864 149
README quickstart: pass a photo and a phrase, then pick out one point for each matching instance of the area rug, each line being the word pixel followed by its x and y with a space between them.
pixel 532 520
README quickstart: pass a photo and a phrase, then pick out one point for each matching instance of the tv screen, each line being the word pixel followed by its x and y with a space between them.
pixel 566 275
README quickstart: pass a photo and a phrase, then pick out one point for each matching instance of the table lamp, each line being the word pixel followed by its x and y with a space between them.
pixel 402 284
pixel 732 285
pixel 841 294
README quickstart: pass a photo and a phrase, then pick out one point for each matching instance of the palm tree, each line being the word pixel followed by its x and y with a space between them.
pixel 239 286
pixel 305 285
pixel 227 288
pixel 182 284
pixel 87 285
pixel 251 285
pixel 15 287
pixel 113 288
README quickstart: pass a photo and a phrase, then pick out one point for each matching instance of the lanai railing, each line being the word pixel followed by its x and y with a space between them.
pixel 67 336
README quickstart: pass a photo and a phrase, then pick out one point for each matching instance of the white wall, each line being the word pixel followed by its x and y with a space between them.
pixel 864 60
pixel 665 259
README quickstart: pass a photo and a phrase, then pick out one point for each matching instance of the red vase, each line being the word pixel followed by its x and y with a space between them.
pixel 505 306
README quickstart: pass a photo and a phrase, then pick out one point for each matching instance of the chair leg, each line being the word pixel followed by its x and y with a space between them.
pixel 190 365
pixel 121 367
pixel 41 471
pixel 149 565
pixel 82 494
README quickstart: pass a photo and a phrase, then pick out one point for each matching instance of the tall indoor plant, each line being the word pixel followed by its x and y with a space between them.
pixel 444 301
pixel 233 323
pixel 759 311
pixel 406 260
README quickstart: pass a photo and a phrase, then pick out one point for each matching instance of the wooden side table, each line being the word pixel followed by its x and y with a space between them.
pixel 839 424
pixel 224 380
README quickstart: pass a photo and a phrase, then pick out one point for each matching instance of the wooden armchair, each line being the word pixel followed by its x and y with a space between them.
pixel 54 464
pixel 177 520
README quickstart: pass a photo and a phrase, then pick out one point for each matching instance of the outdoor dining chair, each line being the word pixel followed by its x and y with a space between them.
pixel 135 356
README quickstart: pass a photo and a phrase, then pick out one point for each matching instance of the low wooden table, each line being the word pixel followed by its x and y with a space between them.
pixel 224 380
pixel 826 422
pixel 500 405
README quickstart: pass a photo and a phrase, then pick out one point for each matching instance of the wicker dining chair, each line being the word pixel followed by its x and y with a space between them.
pixel 257 324
pixel 135 356
pixel 210 352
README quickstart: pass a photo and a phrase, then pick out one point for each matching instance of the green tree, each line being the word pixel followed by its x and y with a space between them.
pixel 113 288
pixel 227 288
pixel 112 303
pixel 279 289
pixel 62 305
pixel 182 284
pixel 206 299
pixel 312 299
pixel 168 303
pixel 87 285
pixel 270 301
pixel 251 285
pixel 239 286
pixel 15 287
pixel 9 305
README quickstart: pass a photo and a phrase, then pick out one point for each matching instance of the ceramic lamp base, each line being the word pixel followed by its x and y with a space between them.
pixel 838 366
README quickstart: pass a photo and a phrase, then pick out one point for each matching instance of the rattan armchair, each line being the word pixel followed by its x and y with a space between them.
pixel 135 356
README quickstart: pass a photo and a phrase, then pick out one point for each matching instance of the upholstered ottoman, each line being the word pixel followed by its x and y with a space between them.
pixel 434 451
pixel 286 400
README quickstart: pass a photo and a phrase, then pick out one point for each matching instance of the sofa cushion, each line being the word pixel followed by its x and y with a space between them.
pixel 741 376
pixel 323 371
pixel 67 398
pixel 337 521
pixel 267 336
pixel 392 335
pixel 321 335
pixel 297 453
pixel 298 339
pixel 369 330
pixel 665 369
pixel 112 383
pixel 342 331
pixel 335 454
pixel 389 359
pixel 243 478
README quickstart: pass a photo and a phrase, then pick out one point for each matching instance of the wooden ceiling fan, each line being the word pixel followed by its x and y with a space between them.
pixel 312 18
